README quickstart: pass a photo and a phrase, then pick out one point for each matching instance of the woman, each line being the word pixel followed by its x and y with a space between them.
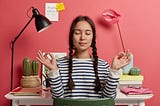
pixel 82 74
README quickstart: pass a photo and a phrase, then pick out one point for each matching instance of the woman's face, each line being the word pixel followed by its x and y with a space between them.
pixel 82 36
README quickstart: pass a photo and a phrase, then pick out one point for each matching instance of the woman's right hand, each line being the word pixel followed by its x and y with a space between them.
pixel 51 64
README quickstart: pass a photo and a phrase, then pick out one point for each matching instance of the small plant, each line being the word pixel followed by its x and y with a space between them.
pixel 30 78
pixel 134 71
pixel 30 67
pixel 27 67
pixel 35 66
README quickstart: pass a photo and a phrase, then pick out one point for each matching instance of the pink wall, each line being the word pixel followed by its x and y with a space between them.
pixel 139 25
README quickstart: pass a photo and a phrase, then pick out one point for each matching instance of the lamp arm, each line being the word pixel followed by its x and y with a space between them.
pixel 14 40
pixel 12 47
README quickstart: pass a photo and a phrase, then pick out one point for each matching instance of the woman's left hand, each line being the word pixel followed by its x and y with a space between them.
pixel 120 60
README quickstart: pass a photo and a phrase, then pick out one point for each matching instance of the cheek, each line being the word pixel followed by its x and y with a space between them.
pixel 75 37
pixel 75 40
pixel 90 40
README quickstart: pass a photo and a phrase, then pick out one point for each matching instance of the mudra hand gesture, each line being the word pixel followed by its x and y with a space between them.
pixel 51 64
pixel 120 60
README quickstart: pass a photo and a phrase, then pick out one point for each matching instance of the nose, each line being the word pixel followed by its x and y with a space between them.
pixel 82 36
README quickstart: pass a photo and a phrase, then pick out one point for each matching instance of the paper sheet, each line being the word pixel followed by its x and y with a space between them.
pixel 51 12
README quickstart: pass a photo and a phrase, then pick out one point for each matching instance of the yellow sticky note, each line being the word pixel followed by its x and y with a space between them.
pixel 60 6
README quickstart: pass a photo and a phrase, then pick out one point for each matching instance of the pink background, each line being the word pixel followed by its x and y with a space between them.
pixel 139 24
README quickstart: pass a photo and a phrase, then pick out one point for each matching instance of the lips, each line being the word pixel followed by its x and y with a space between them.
pixel 82 43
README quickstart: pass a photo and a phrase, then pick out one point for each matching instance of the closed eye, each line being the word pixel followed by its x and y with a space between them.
pixel 88 32
pixel 77 32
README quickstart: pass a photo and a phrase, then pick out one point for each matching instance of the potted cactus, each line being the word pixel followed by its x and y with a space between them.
pixel 35 66
pixel 30 78
pixel 134 71
pixel 27 66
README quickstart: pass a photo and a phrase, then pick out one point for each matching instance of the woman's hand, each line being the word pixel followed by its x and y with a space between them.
pixel 51 64
pixel 120 60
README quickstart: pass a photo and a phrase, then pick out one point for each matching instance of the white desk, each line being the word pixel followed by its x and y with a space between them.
pixel 121 99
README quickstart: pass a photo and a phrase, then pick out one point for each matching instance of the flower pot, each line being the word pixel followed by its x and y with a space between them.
pixel 30 81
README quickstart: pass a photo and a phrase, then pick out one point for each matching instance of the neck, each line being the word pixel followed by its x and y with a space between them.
pixel 82 55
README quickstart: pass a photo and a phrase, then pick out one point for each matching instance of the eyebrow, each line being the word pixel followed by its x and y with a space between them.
pixel 85 29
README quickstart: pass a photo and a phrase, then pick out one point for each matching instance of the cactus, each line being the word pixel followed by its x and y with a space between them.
pixel 35 66
pixel 27 66
pixel 134 71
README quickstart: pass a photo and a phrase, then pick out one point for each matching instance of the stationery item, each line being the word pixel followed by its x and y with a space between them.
pixel 135 90
pixel 51 12
pixel 60 6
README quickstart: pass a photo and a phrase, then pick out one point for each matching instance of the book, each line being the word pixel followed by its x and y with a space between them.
pixel 132 83
pixel 131 77
pixel 20 91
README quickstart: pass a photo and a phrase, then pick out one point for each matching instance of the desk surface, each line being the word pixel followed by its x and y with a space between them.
pixel 120 99
pixel 120 95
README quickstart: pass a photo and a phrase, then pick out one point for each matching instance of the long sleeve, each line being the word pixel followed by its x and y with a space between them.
pixel 109 90
pixel 56 86
pixel 111 83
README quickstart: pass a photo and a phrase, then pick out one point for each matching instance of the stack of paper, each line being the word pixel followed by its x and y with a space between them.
pixel 131 80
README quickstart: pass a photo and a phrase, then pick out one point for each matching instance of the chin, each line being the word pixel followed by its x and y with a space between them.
pixel 83 49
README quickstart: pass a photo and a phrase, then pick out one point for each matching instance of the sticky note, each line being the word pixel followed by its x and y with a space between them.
pixel 60 6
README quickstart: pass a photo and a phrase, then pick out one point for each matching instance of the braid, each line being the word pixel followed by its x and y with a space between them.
pixel 95 65
pixel 70 81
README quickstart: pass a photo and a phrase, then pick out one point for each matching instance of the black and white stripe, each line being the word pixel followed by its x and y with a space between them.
pixel 83 76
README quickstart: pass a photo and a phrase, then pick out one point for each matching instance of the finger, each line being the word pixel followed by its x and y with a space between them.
pixel 52 56
pixel 40 54
pixel 46 55
pixel 128 61
pixel 40 60
pixel 120 55
pixel 53 60
pixel 128 53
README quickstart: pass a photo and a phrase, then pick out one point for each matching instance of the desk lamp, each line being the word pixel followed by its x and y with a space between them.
pixel 41 23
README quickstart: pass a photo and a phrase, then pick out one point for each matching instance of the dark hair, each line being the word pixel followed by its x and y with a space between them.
pixel 94 51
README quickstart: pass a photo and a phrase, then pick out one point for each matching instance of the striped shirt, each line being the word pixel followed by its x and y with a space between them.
pixel 83 77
